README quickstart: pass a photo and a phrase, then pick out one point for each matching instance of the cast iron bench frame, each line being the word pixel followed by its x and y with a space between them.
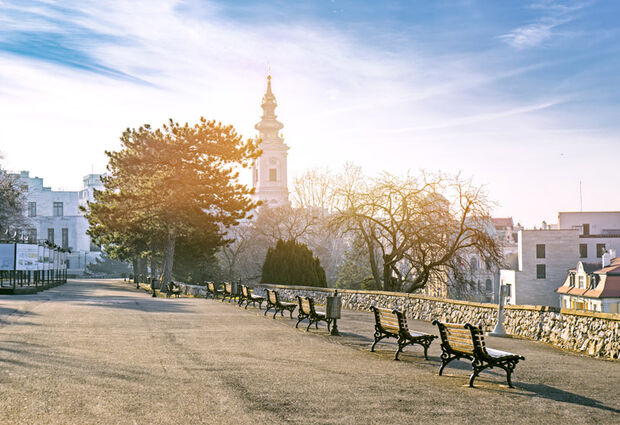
pixel 274 302
pixel 393 324
pixel 308 311
pixel 466 341
pixel 172 289
pixel 213 291
pixel 247 296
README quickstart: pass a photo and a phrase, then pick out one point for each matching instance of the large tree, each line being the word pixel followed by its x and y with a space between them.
pixel 415 229
pixel 171 184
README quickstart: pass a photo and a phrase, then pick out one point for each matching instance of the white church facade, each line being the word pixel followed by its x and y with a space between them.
pixel 269 173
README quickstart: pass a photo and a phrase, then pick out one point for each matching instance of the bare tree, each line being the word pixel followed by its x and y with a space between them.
pixel 415 229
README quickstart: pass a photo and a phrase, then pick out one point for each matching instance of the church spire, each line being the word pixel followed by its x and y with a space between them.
pixel 270 169
pixel 269 127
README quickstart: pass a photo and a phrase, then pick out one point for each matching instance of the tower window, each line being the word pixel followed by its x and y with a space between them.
pixel 541 271
pixel 540 250
pixel 273 174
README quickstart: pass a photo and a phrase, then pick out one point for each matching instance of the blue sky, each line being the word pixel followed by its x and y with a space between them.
pixel 523 96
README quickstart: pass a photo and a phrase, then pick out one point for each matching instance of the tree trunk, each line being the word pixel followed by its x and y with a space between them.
pixel 169 257
pixel 136 268
pixel 387 277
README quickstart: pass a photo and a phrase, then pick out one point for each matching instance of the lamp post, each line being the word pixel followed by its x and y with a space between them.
pixel 499 326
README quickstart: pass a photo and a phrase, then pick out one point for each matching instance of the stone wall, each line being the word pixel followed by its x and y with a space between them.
pixel 595 334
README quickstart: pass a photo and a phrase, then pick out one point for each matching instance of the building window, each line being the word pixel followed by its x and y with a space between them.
pixel 32 235
pixel 255 174
pixel 473 261
pixel 583 250
pixel 586 229
pixel 489 285
pixel 32 209
pixel 68 263
pixel 600 250
pixel 273 174
pixel 572 279
pixel 582 282
pixel 50 235
pixel 541 271
pixel 65 238
pixel 57 209
pixel 540 250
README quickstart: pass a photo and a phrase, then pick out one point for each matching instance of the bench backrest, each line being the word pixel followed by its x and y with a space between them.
pixel 272 296
pixel 244 291
pixel 387 320
pixel 211 286
pixel 457 337
pixel 228 287
pixel 306 305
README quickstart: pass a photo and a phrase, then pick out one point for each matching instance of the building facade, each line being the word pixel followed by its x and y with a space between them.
pixel 546 255
pixel 55 216
pixel 593 290
pixel 269 173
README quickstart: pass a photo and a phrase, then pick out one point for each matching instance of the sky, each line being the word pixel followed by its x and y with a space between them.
pixel 521 96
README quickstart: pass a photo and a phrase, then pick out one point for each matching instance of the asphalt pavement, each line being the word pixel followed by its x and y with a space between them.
pixel 103 352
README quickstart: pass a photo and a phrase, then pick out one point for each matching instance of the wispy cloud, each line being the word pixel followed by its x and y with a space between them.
pixel 554 14
pixel 85 70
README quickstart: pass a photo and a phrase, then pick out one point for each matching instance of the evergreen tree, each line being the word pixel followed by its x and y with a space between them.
pixel 292 263
pixel 171 185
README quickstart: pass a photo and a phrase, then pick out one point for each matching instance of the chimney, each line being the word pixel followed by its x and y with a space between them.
pixel 606 259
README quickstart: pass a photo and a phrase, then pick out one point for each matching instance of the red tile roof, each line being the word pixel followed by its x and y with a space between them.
pixel 505 222
pixel 608 286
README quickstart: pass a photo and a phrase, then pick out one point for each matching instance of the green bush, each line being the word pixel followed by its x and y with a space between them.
pixel 292 263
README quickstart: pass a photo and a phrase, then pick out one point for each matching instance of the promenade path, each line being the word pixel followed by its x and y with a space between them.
pixel 102 352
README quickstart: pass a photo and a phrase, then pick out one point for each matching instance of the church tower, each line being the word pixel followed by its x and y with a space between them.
pixel 269 171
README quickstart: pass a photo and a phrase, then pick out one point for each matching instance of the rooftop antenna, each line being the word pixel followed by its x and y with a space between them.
pixel 580 198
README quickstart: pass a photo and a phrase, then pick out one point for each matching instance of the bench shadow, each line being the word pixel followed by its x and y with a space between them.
pixel 556 394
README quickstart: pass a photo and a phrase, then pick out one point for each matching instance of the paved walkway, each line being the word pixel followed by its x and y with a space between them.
pixel 104 352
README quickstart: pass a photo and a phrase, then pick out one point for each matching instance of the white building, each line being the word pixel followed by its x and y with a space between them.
pixel 55 216
pixel 269 174
pixel 546 255
pixel 594 290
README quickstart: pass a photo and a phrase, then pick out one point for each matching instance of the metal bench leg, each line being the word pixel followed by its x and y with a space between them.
pixel 309 324
pixel 378 337
pixel 401 344
pixel 478 367
pixel 508 368
pixel 445 359
pixel 426 345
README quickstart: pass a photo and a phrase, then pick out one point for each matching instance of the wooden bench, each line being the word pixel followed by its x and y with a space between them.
pixel 213 291
pixel 393 324
pixel 278 306
pixel 172 289
pixel 248 297
pixel 307 311
pixel 466 341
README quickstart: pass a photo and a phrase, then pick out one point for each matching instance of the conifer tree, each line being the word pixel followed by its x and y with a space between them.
pixel 292 263
pixel 171 183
